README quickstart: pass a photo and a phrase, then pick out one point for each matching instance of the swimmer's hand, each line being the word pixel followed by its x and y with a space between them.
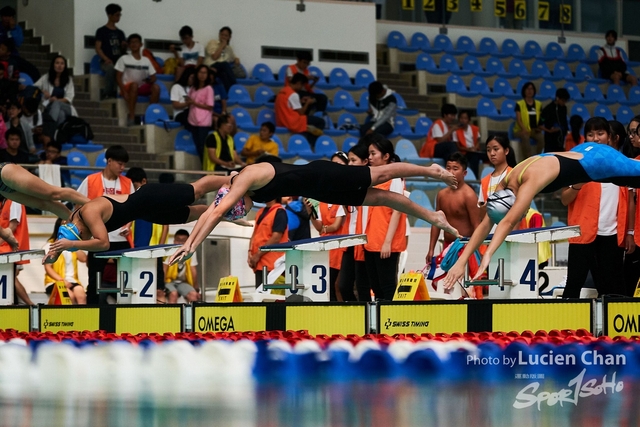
pixel 182 254
pixel 242 222
pixel 484 265
pixel 51 257
pixel 454 275
pixel 7 235
pixel 61 245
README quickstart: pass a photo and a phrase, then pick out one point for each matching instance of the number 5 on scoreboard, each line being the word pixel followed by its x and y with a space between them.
pixel 500 8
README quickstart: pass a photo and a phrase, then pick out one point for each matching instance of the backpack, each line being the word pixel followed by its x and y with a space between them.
pixel 73 128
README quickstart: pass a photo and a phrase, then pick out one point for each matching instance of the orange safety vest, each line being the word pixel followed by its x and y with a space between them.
pixel 636 226
pixel 21 233
pixel 569 143
pixel 286 116
pixel 462 139
pixel 484 184
pixel 328 215
pixel 294 70
pixel 585 211
pixel 261 234
pixel 95 189
pixel 378 224
pixel 429 146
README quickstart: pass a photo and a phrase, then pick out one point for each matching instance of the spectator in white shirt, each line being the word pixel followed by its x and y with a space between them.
pixel 190 54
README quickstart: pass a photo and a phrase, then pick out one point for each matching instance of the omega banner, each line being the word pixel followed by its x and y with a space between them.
pixel 621 317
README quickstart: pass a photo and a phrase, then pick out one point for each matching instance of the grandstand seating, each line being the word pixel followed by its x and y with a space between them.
pixel 239 140
pixel 299 146
pixel 408 153
pixel 78 159
pixel 158 116
pixel 325 147
pixel 184 142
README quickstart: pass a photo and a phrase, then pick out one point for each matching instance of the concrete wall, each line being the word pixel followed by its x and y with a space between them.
pixel 53 21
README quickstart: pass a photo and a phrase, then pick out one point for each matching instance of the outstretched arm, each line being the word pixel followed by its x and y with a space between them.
pixel 457 271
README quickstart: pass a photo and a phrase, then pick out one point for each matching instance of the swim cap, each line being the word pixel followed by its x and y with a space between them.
pixel 499 203
pixel 238 211
pixel 69 231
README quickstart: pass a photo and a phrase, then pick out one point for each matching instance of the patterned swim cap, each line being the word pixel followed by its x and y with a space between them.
pixel 499 203
pixel 238 211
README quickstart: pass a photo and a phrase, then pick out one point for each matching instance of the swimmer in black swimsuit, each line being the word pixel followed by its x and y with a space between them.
pixel 88 226
pixel 321 180
pixel 588 162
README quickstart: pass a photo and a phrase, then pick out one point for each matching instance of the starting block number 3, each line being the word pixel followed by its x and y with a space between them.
pixel 321 271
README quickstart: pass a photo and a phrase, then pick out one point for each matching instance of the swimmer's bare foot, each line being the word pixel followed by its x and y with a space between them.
pixel 51 257
pixel 440 221
pixel 445 176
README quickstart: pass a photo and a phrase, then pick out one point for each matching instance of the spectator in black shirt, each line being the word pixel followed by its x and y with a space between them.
pixel 110 45
pixel 12 154
pixel 382 110
pixel 553 121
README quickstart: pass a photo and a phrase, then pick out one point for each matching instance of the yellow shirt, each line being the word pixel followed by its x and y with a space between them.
pixel 254 143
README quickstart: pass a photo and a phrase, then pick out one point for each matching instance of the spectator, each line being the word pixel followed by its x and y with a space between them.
pixel 553 121
pixel 467 137
pixel 65 269
pixel 12 153
pixel 302 67
pixel 9 62
pixel 612 64
pixel 14 217
pixel 58 91
pixel 52 156
pixel 110 46
pixel 460 207
pixel 190 54
pixel 261 144
pixel 382 110
pixel 9 28
pixel 632 256
pixel 181 278
pixel 503 159
pixel 8 86
pixel 221 155
pixel 220 97
pixel 600 209
pixel 618 135
pixel 534 219
pixel 291 110
pixel 220 57
pixel 14 121
pixel 298 218
pixel 201 97
pixel 270 228
pixel 136 76
pixel 528 111
pixel 180 101
pixel 439 142
pixel 109 181
pixel 31 122
pixel 575 123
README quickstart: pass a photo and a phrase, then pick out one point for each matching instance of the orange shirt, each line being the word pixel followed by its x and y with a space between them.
pixel 22 230
pixel 262 233
pixel 294 70
pixel 286 116
pixel 378 224
pixel 328 214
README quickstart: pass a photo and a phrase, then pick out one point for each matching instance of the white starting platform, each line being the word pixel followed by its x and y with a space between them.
pixel 518 257
pixel 7 268
pixel 137 267
pixel 307 264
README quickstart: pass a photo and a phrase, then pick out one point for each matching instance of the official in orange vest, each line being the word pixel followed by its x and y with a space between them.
pixel 270 228
pixel 439 143
pixel 13 216
pixel 467 137
pixel 109 181
pixel 386 228
pixel 302 66
pixel 632 257
pixel 292 110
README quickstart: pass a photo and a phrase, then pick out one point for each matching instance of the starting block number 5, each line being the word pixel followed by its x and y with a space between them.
pixel 321 271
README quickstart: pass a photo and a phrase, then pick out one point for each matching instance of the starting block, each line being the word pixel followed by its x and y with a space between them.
pixel 307 264
pixel 514 266
pixel 136 280
pixel 7 278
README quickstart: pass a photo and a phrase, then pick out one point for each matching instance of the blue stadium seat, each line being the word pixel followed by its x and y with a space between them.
pixel 602 110
pixel 423 124
pixel 486 108
pixel 349 121
pixel 263 73
pixel 575 52
pixel 539 69
pixel 363 102
pixel 282 153
pixel 488 46
pixel 403 128
pixel 502 87
pixel 299 146
pixel 348 143
pixel 248 81
pixel 339 77
pixel 634 96
pixel 397 40
pixel 89 148
pixel 95 66
pixel 408 153
pixel 342 100
pixel 449 63
pixel 574 91
pixel 157 115
pixel 561 71
pixel 510 48
pixel 240 95
pixel 101 160
pixel 242 116
pixel 615 95
pixel 495 66
pixel 532 50
pixel 486 171
pixel 466 45
pixel 517 67
pixel 553 52
pixel 282 73
pixel 325 146
pixel 420 198
pixel 263 95
pixel 300 162
pixel 471 176
pixel 78 159
pixel 322 82
pixel 546 91
pixel 584 72
pixel 329 127
pixel 364 78
pixel 239 140
pixel 508 108
pixel 472 65
pixel 457 86
pixel 624 114
pixel 420 41
pixel 443 43
pixel 184 142
pixel 580 110
pixel 592 93
pixel 402 106
pixel 165 96
pixel 265 115
pixel 25 79
pixel 425 62
pixel 479 86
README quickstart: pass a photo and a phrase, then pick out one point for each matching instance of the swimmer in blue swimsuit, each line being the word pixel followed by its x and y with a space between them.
pixel 588 162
